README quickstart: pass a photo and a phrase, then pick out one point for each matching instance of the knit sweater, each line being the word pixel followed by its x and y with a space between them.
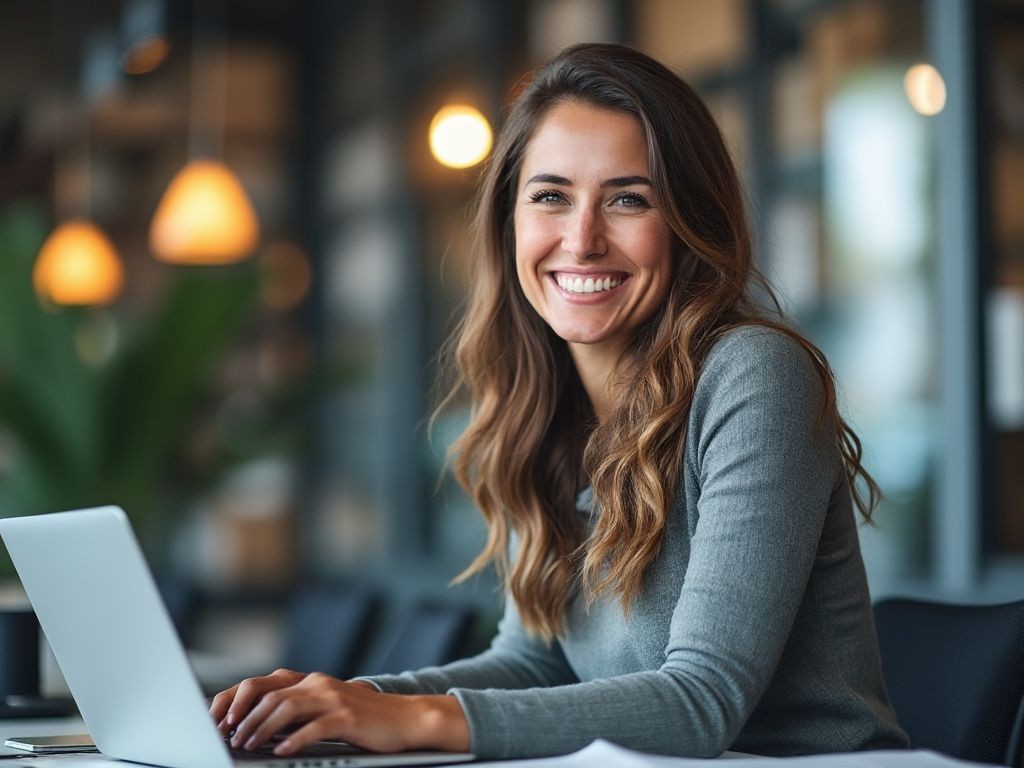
pixel 754 629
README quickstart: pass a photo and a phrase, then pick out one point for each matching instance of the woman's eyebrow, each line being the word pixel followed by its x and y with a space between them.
pixel 626 181
pixel 618 181
pixel 549 178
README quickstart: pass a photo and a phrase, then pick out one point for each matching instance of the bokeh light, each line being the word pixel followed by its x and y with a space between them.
pixel 78 266
pixel 204 217
pixel 926 90
pixel 460 136
pixel 145 55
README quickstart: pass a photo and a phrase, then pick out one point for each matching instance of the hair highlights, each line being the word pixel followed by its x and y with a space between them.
pixel 533 440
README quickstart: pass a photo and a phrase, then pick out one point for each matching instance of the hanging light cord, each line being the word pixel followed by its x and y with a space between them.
pixel 208 94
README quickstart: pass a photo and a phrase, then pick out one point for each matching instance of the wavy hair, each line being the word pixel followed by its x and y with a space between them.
pixel 533 440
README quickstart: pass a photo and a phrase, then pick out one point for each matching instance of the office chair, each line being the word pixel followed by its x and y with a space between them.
pixel 327 630
pixel 432 634
pixel 955 675
pixel 183 601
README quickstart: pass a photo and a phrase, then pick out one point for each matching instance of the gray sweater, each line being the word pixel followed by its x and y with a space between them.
pixel 754 630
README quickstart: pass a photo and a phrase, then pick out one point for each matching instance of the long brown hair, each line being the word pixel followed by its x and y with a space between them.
pixel 533 440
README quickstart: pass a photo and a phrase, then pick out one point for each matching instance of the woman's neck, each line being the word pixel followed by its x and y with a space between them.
pixel 596 365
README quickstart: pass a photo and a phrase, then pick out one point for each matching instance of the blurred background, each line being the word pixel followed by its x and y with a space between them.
pixel 233 239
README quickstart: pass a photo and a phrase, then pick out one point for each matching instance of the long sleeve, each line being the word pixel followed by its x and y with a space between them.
pixel 761 477
pixel 515 660
pixel 753 629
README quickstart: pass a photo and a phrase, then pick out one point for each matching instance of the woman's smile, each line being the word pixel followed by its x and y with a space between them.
pixel 580 285
pixel 593 249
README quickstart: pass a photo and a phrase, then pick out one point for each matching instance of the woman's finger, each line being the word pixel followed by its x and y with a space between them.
pixel 315 696
pixel 221 702
pixel 276 712
pixel 368 719
pixel 325 727
pixel 251 689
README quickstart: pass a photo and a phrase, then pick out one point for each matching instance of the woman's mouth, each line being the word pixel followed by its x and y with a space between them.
pixel 577 283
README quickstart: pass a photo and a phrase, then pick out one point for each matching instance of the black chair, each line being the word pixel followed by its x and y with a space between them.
pixel 430 635
pixel 183 601
pixel 328 627
pixel 955 675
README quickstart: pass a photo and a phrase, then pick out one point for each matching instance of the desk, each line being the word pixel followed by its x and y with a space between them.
pixel 599 753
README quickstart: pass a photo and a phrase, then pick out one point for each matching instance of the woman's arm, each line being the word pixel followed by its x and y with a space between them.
pixel 765 477
pixel 366 712
pixel 515 660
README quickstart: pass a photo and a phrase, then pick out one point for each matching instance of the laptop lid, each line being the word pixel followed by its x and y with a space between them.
pixel 99 607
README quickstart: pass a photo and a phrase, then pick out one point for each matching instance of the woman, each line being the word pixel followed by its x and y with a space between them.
pixel 667 482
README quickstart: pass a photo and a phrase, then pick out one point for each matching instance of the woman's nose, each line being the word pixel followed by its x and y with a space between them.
pixel 584 236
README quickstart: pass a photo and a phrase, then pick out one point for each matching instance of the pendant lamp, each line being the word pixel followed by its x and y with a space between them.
pixel 204 217
pixel 78 266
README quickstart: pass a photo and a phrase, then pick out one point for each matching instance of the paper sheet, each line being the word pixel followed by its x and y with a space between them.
pixel 607 755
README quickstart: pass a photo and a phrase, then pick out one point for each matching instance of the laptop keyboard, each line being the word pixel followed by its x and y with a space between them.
pixel 321 750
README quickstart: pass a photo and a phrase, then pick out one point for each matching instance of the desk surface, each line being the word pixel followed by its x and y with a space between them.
pixel 598 753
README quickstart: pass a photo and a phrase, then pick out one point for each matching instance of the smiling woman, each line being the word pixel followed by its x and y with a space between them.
pixel 668 485
pixel 593 250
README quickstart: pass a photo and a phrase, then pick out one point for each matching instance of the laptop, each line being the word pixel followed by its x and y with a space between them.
pixel 98 605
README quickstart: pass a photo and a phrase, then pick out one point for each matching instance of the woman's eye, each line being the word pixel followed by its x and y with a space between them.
pixel 547 196
pixel 631 200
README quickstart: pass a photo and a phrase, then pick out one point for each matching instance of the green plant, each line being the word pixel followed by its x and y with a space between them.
pixel 80 434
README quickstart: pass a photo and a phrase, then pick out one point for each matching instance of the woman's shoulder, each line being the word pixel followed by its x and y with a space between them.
pixel 759 388
pixel 752 339
pixel 752 361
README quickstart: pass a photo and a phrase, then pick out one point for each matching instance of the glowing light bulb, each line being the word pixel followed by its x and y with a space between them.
pixel 460 136
pixel 78 266
pixel 204 217
pixel 926 90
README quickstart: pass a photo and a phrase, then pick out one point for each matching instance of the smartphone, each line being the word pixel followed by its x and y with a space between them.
pixel 50 745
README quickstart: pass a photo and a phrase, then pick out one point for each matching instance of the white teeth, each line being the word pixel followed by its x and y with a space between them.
pixel 588 285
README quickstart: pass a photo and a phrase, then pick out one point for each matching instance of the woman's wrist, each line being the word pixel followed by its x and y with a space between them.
pixel 364 684
pixel 441 724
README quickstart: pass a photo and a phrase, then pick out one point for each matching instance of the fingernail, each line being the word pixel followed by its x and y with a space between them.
pixel 283 747
pixel 231 718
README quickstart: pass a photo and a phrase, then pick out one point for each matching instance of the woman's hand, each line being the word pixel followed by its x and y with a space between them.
pixel 230 706
pixel 327 708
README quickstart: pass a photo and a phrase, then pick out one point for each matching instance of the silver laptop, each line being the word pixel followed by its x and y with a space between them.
pixel 113 639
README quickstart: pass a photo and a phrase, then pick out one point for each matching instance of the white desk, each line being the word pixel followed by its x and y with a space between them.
pixel 599 753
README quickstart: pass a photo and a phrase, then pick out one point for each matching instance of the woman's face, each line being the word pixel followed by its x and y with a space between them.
pixel 593 250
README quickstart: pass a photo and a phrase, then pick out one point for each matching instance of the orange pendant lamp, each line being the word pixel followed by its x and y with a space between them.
pixel 204 217
pixel 78 266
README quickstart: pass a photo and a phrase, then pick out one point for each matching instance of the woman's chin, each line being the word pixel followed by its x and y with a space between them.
pixel 583 335
pixel 573 335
